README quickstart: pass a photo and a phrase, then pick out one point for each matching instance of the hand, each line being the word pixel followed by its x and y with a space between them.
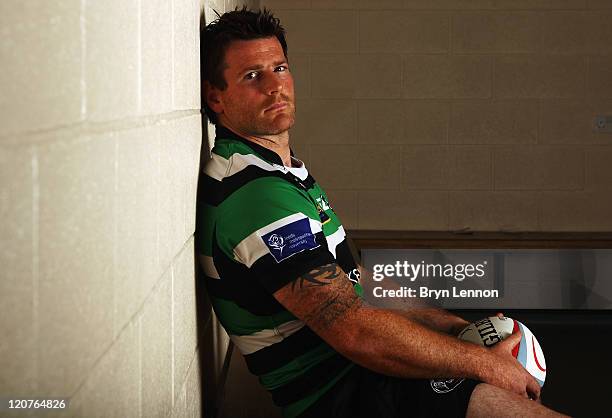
pixel 458 326
pixel 506 372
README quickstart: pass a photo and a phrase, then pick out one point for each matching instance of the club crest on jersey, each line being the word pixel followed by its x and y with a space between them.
pixel 322 202
pixel 445 385
pixel 322 206
pixel 290 239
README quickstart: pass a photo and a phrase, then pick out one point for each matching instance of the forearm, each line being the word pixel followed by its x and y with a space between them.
pixel 436 319
pixel 392 344
pixel 416 309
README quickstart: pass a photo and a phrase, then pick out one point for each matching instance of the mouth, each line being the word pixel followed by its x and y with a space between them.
pixel 276 106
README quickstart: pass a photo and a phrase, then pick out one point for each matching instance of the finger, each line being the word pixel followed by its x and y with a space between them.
pixel 511 341
pixel 533 388
pixel 499 315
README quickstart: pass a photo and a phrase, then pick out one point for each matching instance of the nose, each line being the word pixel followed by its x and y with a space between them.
pixel 272 84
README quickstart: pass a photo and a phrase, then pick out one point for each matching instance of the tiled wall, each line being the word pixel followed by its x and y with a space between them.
pixel 454 114
pixel 100 139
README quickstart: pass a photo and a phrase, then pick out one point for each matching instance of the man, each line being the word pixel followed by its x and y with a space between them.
pixel 282 279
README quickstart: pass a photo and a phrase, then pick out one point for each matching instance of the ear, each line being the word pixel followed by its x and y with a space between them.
pixel 213 98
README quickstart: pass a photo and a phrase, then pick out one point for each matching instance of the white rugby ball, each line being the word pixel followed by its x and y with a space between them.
pixel 489 331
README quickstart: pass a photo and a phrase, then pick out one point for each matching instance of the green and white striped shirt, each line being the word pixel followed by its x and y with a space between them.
pixel 260 226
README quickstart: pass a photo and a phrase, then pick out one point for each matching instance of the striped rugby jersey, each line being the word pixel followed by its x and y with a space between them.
pixel 260 226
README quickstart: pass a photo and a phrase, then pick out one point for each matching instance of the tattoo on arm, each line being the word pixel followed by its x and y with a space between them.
pixel 333 308
pixel 312 278
pixel 339 298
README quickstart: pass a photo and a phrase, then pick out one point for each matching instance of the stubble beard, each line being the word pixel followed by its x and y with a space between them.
pixel 275 126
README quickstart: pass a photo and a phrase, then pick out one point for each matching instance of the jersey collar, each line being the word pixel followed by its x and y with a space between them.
pixel 221 132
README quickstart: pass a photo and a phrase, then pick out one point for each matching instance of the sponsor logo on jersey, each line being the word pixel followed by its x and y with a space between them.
pixel 290 239
pixel 445 385
pixel 276 242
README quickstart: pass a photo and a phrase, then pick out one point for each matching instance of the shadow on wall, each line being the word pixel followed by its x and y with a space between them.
pixel 213 348
pixel 211 351
pixel 208 341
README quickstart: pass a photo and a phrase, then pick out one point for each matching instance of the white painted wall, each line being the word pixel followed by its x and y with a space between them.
pixel 100 140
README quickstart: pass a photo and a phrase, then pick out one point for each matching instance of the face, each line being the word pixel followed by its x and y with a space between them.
pixel 259 98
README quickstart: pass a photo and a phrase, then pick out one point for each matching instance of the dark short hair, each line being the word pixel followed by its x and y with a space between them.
pixel 239 24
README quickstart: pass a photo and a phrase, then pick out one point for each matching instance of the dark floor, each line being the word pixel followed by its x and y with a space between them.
pixel 577 347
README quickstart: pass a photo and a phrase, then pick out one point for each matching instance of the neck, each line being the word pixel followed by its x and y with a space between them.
pixel 278 143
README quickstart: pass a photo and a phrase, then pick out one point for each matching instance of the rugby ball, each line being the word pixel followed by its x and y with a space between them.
pixel 489 331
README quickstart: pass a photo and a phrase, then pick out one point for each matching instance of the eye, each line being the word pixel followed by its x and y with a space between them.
pixel 251 75
pixel 281 68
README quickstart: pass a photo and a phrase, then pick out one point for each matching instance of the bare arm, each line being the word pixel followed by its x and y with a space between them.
pixel 436 319
pixel 416 309
pixel 390 343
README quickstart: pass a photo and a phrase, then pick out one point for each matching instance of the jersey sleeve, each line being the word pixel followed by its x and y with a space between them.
pixel 274 230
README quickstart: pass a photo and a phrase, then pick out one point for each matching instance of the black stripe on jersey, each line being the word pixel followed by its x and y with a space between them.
pixel 344 257
pixel 215 191
pixel 309 182
pixel 252 288
pixel 210 190
pixel 310 381
pixel 238 284
pixel 277 355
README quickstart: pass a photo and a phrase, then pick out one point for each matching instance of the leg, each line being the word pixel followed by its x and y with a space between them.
pixel 489 401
